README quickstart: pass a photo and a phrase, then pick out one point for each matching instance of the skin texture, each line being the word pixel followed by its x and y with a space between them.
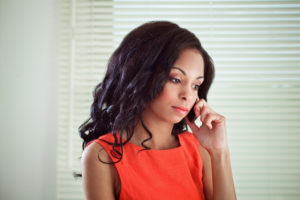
pixel 101 181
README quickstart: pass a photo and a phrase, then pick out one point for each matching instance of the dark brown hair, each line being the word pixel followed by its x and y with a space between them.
pixel 137 72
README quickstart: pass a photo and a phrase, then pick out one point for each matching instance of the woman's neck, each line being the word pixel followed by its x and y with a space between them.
pixel 161 131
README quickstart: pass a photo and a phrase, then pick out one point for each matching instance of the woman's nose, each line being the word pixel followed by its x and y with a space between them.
pixel 186 93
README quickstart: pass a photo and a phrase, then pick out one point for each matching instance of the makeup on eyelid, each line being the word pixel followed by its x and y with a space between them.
pixel 175 76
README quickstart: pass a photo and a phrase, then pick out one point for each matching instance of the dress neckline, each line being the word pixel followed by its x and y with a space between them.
pixel 158 150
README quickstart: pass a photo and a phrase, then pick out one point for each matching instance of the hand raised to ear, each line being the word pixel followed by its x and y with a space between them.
pixel 212 133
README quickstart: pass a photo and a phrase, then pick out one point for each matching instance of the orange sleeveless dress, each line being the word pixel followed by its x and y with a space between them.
pixel 172 174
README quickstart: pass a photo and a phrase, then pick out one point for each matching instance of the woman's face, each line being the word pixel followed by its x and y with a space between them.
pixel 181 90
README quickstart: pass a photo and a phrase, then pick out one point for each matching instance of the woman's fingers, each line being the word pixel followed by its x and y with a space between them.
pixel 210 117
pixel 198 106
pixel 207 115
pixel 192 125
pixel 207 120
pixel 204 111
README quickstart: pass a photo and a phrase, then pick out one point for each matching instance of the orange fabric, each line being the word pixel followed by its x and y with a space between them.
pixel 173 174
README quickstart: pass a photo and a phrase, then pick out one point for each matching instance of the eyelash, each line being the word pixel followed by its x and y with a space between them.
pixel 178 81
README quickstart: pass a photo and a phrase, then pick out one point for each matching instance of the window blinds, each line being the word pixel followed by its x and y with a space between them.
pixel 256 49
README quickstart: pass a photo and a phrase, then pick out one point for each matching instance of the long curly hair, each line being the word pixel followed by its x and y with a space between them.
pixel 136 74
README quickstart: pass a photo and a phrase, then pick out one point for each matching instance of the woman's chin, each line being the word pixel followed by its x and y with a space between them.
pixel 177 120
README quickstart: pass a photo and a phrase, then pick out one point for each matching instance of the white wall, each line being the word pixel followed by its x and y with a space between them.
pixel 28 128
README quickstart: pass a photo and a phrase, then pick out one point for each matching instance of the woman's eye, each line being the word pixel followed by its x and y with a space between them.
pixel 175 80
pixel 196 87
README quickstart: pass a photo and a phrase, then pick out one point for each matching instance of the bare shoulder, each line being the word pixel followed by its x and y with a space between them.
pixel 99 178
pixel 93 153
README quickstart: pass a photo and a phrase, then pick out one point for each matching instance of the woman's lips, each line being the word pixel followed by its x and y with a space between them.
pixel 180 109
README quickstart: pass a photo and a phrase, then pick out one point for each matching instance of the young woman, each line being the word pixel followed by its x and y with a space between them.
pixel 136 144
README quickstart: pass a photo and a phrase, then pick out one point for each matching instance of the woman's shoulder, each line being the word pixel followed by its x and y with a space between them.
pixel 105 137
pixel 93 151
pixel 95 156
pixel 97 174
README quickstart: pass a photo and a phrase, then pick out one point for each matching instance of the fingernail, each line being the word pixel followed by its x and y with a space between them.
pixel 196 112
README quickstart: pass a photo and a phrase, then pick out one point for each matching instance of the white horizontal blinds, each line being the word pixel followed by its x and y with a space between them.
pixel 256 49
pixel 255 46
pixel 257 88
pixel 86 45
pixel 63 174
pixel 93 46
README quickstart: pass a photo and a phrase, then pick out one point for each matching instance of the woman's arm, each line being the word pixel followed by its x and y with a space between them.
pixel 223 185
pixel 212 135
pixel 217 175
pixel 98 177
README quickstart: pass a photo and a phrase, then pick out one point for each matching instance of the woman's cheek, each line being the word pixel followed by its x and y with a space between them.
pixel 166 94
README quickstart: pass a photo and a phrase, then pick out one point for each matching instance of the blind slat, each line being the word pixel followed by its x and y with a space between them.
pixel 255 46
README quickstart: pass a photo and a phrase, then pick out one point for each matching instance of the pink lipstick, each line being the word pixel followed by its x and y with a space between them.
pixel 181 110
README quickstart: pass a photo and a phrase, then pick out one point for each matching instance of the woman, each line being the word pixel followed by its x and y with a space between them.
pixel 136 143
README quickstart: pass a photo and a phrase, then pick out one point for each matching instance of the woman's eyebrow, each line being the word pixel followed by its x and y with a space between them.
pixel 183 72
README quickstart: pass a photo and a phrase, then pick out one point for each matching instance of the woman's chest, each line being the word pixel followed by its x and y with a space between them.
pixel 169 178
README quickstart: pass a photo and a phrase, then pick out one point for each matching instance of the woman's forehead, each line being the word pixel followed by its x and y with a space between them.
pixel 183 71
pixel 190 60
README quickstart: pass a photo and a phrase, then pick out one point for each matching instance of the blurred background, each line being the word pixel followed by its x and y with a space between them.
pixel 28 99
pixel 54 52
